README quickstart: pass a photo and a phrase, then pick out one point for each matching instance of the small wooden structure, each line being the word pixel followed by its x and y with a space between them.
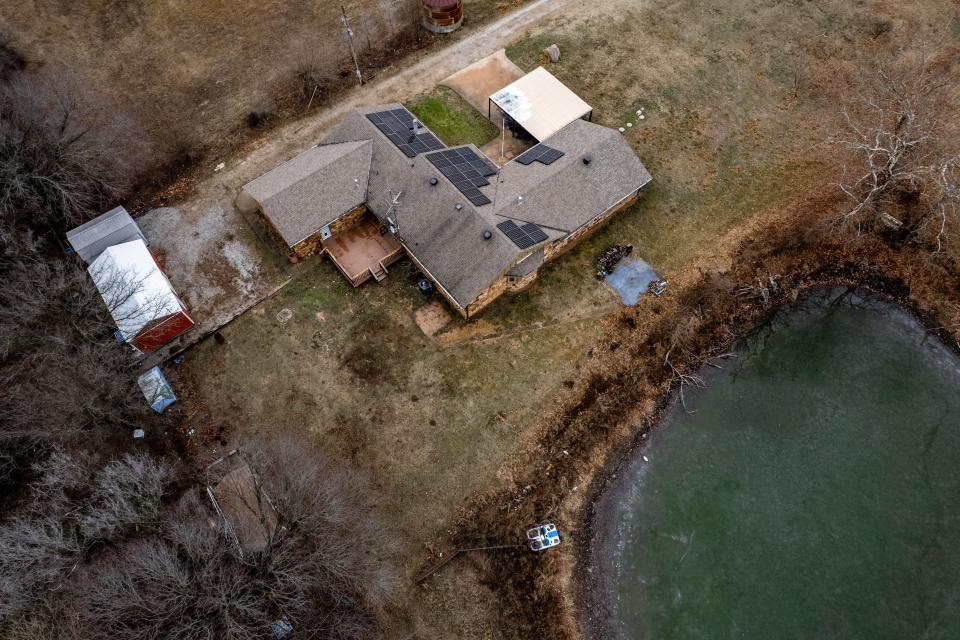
pixel 362 252
pixel 246 514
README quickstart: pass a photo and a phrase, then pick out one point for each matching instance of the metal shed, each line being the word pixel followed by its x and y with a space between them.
pixel 114 227
pixel 540 103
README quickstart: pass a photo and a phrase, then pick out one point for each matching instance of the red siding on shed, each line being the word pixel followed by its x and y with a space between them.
pixel 161 331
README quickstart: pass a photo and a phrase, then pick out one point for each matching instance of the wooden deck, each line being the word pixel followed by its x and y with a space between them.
pixel 361 252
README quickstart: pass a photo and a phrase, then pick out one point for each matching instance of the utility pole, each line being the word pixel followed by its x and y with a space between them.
pixel 345 21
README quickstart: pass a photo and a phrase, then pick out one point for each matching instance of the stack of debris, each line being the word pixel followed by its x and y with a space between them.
pixel 610 257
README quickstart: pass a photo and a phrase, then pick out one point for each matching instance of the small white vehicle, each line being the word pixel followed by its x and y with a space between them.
pixel 543 536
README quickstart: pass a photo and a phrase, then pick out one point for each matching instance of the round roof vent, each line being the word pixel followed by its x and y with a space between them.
pixel 587 159
pixel 433 180
pixel 487 235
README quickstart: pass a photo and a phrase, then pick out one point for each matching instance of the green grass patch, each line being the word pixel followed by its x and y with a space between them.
pixel 452 118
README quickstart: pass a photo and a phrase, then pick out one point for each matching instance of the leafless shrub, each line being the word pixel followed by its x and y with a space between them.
pixel 185 584
pixel 61 371
pixel 905 147
pixel 55 167
pixel 46 620
pixel 321 569
pixel 126 494
pixel 312 78
pixel 70 508
pixel 61 477
pixel 37 554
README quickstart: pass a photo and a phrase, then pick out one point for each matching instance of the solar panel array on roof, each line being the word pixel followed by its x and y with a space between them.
pixel 397 124
pixel 525 236
pixel 541 153
pixel 466 170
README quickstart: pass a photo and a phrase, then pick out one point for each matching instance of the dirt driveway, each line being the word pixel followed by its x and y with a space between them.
pixel 478 81
pixel 218 265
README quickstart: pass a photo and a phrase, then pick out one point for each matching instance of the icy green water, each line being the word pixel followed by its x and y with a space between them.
pixel 814 493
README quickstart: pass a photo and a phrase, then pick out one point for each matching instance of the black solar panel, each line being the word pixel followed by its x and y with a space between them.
pixel 466 170
pixel 540 153
pixel 397 125
pixel 525 236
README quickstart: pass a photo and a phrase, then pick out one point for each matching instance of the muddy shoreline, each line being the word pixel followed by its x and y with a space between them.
pixel 623 391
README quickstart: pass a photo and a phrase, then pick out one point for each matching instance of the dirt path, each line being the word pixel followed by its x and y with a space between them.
pixel 391 85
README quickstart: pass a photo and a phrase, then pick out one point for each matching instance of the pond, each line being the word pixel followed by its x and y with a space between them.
pixel 810 490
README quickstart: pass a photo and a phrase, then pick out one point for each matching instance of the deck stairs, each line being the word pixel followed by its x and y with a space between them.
pixel 379 272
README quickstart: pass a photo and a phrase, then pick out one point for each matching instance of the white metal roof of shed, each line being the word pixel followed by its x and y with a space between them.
pixel 134 288
pixel 540 103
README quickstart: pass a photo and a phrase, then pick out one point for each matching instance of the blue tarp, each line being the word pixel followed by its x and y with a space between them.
pixel 156 389
pixel 630 278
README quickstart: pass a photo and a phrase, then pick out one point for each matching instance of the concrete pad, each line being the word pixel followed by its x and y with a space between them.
pixel 505 147
pixel 483 78
pixel 431 318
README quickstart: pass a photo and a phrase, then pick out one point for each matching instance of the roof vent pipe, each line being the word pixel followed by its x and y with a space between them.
pixel 433 180
pixel 587 159
pixel 487 235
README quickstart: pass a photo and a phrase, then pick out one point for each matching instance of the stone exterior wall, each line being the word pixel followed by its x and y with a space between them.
pixel 314 243
pixel 505 283
pixel 520 283
pixel 274 234
pixel 487 296
pixel 348 219
pixel 419 265
pixel 308 246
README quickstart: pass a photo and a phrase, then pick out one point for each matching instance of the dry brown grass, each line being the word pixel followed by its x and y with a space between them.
pixel 186 76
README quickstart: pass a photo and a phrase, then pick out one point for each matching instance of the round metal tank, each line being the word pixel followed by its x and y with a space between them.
pixel 441 16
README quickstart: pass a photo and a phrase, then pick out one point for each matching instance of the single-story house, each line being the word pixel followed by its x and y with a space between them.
pixel 146 309
pixel 474 229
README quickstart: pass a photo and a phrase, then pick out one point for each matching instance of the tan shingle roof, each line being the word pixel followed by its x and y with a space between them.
pixel 449 243
pixel 568 194
pixel 313 189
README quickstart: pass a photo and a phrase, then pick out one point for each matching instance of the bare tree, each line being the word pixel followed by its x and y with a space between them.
pixel 320 569
pixel 126 494
pixel 71 508
pixel 903 140
pixel 37 554
pixel 55 167
pixel 61 370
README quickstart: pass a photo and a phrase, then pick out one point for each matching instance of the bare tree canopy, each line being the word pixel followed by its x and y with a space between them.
pixel 321 569
pixel 71 509
pixel 904 143
pixel 56 167
pixel 61 370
